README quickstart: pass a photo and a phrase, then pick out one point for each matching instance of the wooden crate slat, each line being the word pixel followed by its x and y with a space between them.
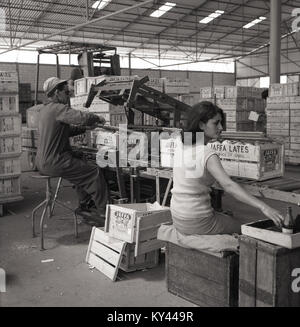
pixel 113 243
pixel 108 270
pixel 108 254
pixel 151 245
pixel 105 253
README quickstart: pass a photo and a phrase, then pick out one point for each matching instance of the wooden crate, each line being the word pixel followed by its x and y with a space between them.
pixel 9 82
pixel 130 262
pixel 202 278
pixel 32 116
pixel 29 137
pixel 10 146
pixel 256 160
pixel 9 104
pixel 10 166
pixel 137 223
pixel 10 186
pixel 265 274
pixel 10 125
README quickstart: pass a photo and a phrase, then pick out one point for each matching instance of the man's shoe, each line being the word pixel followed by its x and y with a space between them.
pixel 91 217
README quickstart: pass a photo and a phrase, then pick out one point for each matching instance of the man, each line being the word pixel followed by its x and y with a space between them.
pixel 76 73
pixel 54 154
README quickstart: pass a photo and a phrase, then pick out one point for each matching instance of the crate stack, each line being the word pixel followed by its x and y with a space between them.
pixel 10 139
pixel 25 99
pixel 129 239
pixel 237 103
pixel 283 118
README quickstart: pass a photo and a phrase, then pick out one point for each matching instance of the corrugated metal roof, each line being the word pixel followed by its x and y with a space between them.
pixel 178 31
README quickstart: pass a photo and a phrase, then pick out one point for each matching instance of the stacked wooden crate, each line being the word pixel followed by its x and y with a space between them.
pixel 283 118
pixel 237 103
pixel 25 100
pixel 10 139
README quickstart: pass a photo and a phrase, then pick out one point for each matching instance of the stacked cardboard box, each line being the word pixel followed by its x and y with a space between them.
pixel 10 138
pixel 283 118
pixel 237 103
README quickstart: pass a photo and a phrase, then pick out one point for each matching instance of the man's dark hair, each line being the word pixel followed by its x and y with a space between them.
pixel 79 57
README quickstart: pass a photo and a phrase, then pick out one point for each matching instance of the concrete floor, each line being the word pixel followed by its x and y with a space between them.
pixel 68 280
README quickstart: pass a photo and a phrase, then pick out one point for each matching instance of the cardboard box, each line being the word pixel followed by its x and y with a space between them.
pixel 258 161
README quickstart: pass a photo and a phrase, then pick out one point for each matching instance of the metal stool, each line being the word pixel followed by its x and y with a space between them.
pixel 49 203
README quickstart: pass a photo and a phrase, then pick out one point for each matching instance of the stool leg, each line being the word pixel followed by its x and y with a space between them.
pixel 55 195
pixel 33 216
pixel 75 225
pixel 42 225
pixel 49 197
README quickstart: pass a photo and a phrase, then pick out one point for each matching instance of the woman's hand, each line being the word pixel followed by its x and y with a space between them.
pixel 273 214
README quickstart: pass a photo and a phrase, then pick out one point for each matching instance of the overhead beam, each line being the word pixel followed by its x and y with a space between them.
pixel 80 25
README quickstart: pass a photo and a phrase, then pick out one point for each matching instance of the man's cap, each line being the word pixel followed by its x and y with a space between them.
pixel 52 83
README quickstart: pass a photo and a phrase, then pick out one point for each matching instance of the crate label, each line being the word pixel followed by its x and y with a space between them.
pixel 270 160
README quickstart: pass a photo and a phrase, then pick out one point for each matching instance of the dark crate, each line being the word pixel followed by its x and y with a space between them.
pixel 266 274
pixel 202 278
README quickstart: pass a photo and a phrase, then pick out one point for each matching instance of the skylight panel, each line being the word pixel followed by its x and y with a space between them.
pixel 211 17
pixel 100 4
pixel 163 9
pixel 254 22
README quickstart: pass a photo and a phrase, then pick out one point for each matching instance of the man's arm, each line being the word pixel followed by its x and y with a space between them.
pixel 71 116
pixel 76 130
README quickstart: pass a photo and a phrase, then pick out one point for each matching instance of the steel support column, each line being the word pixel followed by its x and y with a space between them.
pixel 275 41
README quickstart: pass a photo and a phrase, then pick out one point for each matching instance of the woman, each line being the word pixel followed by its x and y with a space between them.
pixel 191 208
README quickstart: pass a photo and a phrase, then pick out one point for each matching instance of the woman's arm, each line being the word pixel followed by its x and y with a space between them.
pixel 216 169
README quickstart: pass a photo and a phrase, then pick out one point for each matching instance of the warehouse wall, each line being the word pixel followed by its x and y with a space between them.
pixel 258 64
pixel 27 74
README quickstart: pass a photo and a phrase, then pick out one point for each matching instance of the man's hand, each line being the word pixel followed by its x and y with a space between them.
pixel 101 120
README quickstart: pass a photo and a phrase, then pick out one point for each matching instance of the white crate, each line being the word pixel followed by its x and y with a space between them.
pixel 236 92
pixel 9 82
pixel 9 104
pixel 10 125
pixel 10 146
pixel 126 221
pixel 80 86
pixel 10 166
pixel 219 92
pixel 259 161
pixel 206 93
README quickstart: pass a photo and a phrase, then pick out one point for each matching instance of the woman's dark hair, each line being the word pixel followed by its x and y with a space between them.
pixel 201 112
